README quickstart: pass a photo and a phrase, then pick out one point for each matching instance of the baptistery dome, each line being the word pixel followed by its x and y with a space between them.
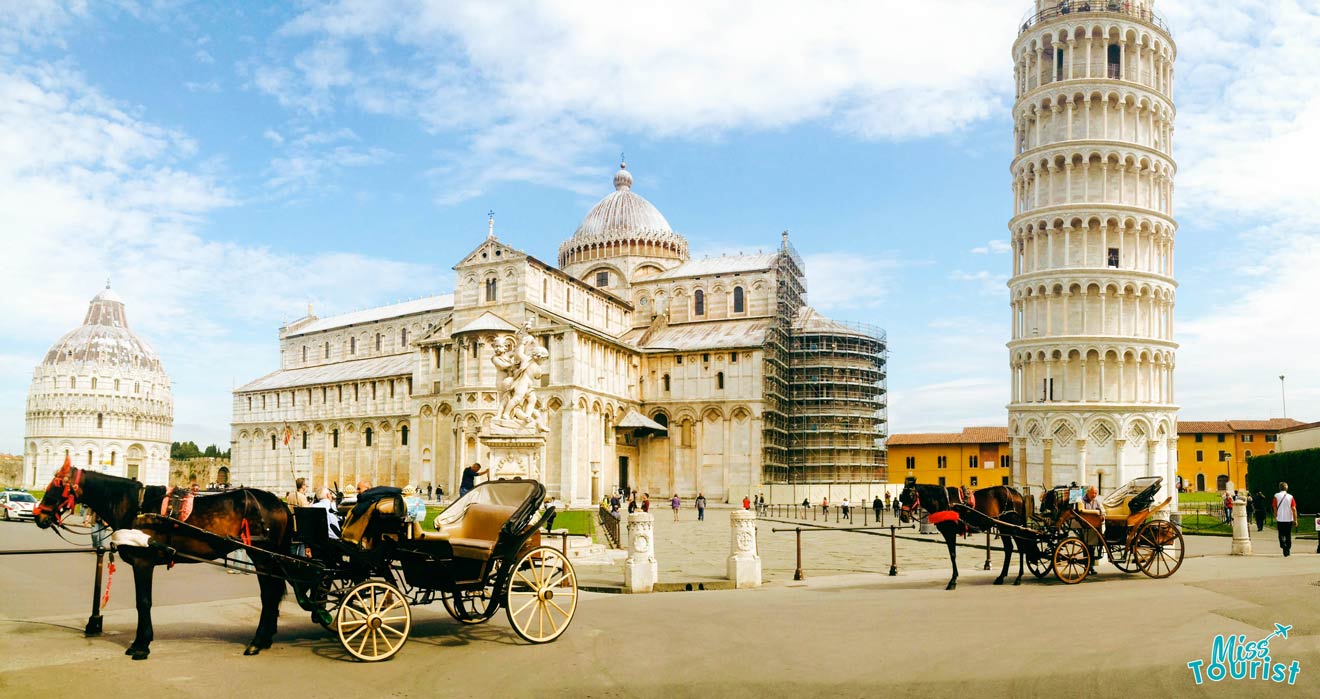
pixel 101 398
pixel 623 224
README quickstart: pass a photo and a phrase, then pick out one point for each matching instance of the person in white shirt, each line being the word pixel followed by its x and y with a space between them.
pixel 325 500
pixel 1285 517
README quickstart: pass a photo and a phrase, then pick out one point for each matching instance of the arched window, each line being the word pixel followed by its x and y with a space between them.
pixel 665 380
pixel 249 402
pixel 137 387
pixel 89 457
pixel 112 458
pixel 367 434
pixel 116 385
pixel 699 303
pixel 304 353
pixel 719 379
pixel 378 341
pixel 403 337
pixel 491 290
pixel 739 303
pixel 662 419
pixel 304 439
pixel 100 421
pixel 93 383
pixel 327 350
pixel 334 438
pixel 73 382
pixel 403 435
pixel 263 402
pixel 352 345
pixel 1115 63
pixel 272 442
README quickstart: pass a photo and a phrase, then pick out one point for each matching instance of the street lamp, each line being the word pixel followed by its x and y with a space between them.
pixel 1283 392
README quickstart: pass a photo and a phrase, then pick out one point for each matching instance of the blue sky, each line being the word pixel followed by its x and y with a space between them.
pixel 226 165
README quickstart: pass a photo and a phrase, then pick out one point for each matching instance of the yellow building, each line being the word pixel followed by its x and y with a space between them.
pixel 1212 454
pixel 977 457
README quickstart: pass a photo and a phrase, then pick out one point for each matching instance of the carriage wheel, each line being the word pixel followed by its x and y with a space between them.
pixel 373 621
pixel 1129 564
pixel 1158 548
pixel 476 606
pixel 1040 566
pixel 1072 560
pixel 542 595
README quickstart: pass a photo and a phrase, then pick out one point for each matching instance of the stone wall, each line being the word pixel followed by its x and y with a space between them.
pixel 11 470
pixel 204 471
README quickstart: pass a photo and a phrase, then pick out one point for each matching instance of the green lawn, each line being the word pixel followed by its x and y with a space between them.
pixel 575 521
pixel 1201 497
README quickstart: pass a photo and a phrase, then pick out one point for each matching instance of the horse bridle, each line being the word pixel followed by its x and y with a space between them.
pixel 70 480
pixel 916 503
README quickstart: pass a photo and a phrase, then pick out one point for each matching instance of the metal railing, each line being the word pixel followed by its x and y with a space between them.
pixel 610 525
pixel 1111 7
pixel 832 514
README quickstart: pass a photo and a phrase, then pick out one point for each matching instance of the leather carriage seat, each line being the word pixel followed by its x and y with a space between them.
pixel 474 535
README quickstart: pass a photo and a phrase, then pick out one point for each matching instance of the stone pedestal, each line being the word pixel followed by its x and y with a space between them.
pixel 744 564
pixel 514 454
pixel 1241 528
pixel 640 570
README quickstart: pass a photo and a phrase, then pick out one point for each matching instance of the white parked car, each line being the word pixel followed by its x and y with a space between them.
pixel 17 505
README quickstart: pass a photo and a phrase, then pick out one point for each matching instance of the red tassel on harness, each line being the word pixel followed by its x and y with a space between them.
pixel 110 576
pixel 244 533
pixel 945 516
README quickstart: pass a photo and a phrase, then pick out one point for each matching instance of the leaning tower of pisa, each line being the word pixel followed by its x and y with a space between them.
pixel 1092 291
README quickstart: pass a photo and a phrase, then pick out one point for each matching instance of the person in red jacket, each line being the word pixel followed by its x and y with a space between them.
pixel 747 503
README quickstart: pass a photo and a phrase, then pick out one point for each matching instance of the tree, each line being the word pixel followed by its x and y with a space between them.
pixel 211 451
pixel 184 450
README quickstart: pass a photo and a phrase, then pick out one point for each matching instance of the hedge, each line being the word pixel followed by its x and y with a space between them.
pixel 1299 469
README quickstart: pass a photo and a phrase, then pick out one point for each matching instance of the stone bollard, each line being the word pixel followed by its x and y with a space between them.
pixel 744 564
pixel 1241 529
pixel 639 569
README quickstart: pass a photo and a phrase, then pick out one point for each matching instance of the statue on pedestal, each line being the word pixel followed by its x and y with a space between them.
pixel 521 362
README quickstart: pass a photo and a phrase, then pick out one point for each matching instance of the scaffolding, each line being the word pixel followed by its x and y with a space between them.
pixel 839 402
pixel 776 423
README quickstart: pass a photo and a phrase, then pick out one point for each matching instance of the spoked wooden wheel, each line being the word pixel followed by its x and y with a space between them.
pixel 1040 565
pixel 542 595
pixel 373 621
pixel 1072 560
pixel 475 606
pixel 1158 548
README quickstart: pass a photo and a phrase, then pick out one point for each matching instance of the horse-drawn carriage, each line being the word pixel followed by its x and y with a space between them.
pixel 1064 539
pixel 485 554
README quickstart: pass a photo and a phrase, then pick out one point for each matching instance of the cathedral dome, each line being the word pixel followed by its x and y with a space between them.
pixel 623 223
pixel 103 338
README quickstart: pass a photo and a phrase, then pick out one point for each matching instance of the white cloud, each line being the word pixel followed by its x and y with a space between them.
pixel 849 281
pixel 88 190
pixel 312 161
pixel 32 23
pixel 208 86
pixel 988 283
pixel 203 56
pixel 542 87
pixel 996 246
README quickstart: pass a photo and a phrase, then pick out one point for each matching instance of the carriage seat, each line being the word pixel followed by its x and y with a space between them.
pixel 475 534
pixel 379 519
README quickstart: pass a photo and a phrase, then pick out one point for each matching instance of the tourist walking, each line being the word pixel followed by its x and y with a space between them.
pixel 877 505
pixel 1228 506
pixel 845 508
pixel 897 506
pixel 1262 506
pixel 632 504
pixel 701 507
pixel 646 502
pixel 673 505
pixel 1285 516
pixel 747 503
pixel 825 506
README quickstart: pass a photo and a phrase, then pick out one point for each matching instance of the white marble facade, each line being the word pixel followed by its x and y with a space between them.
pixel 101 398
pixel 1092 291
pixel 629 323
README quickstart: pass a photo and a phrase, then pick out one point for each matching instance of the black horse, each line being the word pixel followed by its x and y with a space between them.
pixel 245 514
pixel 997 502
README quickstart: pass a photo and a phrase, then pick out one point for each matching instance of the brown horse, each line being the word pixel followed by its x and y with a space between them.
pixel 238 515
pixel 997 502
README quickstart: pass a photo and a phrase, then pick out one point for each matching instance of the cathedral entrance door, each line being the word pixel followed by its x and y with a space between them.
pixel 133 468
pixel 623 473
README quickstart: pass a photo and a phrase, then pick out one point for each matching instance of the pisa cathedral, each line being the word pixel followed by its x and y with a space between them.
pixel 1092 291
pixel 100 398
pixel 666 374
